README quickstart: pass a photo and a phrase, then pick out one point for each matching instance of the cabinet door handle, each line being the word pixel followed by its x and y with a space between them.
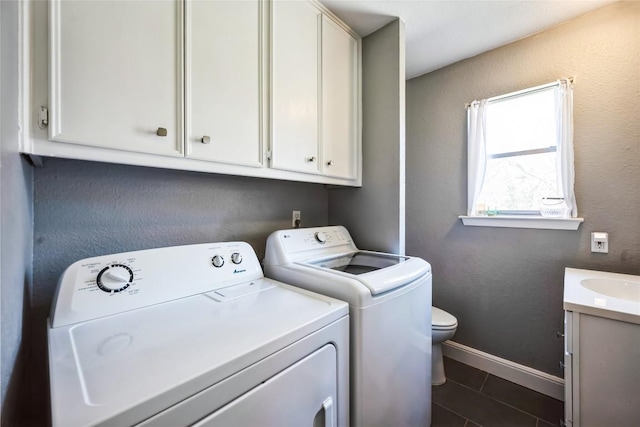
pixel 330 162
pixel 205 139
pixel 561 364
pixel 559 334
pixel 312 159
pixel 161 132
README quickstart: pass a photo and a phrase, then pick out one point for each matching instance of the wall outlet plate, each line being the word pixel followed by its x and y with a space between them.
pixel 600 242
pixel 296 217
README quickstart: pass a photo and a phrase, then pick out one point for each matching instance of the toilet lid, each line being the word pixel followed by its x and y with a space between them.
pixel 442 319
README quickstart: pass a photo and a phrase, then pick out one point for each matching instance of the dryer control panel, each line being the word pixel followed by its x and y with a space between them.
pixel 110 284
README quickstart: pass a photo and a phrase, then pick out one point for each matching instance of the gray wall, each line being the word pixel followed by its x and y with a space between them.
pixel 505 286
pixel 374 214
pixel 84 209
pixel 16 180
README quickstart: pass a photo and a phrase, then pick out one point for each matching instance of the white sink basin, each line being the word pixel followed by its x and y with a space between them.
pixel 615 288
pixel 599 293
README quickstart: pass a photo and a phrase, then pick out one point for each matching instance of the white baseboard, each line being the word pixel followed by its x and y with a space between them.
pixel 506 369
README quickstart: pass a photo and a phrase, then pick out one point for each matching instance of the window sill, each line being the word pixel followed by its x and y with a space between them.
pixel 522 222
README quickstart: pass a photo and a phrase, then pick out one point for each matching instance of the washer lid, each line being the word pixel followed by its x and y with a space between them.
pixel 379 272
pixel 121 369
pixel 442 319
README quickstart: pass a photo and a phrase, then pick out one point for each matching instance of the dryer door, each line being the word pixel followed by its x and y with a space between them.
pixel 302 395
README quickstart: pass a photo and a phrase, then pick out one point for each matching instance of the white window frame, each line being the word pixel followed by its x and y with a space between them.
pixel 477 160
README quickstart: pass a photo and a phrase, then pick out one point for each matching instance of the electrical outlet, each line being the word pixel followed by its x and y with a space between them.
pixel 600 242
pixel 296 219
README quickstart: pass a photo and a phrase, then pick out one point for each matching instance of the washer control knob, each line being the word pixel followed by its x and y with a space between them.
pixel 321 236
pixel 114 278
pixel 236 258
pixel 217 261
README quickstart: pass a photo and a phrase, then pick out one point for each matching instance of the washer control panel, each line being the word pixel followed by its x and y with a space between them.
pixel 307 239
pixel 110 284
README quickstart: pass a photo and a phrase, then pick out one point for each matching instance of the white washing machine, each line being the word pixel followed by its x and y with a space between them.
pixel 389 300
pixel 194 335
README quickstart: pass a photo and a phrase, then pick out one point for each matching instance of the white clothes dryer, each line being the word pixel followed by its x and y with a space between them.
pixel 389 300
pixel 194 335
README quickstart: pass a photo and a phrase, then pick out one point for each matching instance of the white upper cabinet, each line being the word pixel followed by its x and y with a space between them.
pixel 256 88
pixel 295 48
pixel 339 101
pixel 224 81
pixel 314 89
pixel 115 73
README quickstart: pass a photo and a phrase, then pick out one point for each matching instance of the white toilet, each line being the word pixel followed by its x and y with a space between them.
pixel 443 327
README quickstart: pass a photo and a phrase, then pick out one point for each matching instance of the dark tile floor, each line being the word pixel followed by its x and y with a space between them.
pixel 472 397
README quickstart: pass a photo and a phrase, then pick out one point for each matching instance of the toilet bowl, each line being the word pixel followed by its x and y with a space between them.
pixel 443 327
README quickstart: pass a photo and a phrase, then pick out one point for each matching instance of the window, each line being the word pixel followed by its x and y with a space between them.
pixel 520 149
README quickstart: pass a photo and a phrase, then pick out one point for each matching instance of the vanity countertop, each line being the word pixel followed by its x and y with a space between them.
pixel 599 293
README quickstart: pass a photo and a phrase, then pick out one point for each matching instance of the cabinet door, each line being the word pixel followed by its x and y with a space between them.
pixel 339 101
pixel 115 74
pixel 294 74
pixel 224 81
pixel 606 372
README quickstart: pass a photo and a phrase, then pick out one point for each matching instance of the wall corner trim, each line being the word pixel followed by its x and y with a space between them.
pixel 511 371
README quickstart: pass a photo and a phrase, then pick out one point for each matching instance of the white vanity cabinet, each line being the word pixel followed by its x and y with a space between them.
pixel 315 92
pixel 602 371
pixel 256 88
pixel 115 73
pixel 224 81
pixel 601 348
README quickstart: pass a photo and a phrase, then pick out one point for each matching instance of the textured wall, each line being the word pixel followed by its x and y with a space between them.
pixel 16 178
pixel 374 214
pixel 506 285
pixel 83 209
